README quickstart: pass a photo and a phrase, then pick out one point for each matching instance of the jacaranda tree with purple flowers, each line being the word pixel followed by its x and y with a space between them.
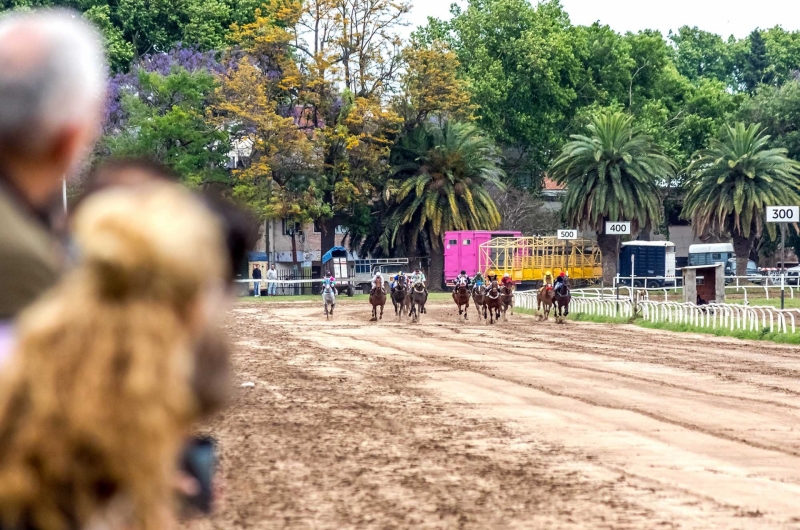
pixel 157 110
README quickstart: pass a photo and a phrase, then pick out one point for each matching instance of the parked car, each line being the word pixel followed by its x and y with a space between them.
pixel 793 276
pixel 753 274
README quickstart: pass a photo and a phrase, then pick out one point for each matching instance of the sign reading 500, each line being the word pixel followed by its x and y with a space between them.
pixel 618 228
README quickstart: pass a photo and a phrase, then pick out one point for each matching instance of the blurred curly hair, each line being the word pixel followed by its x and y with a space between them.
pixel 97 397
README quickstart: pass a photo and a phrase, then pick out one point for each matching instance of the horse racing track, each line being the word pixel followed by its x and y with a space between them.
pixel 442 424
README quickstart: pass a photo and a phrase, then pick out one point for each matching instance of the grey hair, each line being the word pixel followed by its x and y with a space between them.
pixel 53 74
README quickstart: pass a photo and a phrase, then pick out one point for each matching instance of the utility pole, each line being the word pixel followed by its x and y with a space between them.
pixel 783 215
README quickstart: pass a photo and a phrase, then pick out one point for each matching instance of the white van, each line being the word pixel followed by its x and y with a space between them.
pixel 710 253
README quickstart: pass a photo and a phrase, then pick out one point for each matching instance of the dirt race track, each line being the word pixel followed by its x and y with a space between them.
pixel 353 424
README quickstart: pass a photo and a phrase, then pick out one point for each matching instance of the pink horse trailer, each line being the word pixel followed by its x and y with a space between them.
pixel 461 250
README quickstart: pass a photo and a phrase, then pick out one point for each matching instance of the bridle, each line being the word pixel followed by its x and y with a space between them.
pixel 494 289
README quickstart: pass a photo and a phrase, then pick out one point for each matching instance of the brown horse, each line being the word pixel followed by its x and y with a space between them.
pixel 479 298
pixel 461 298
pixel 506 299
pixel 545 297
pixel 493 303
pixel 378 299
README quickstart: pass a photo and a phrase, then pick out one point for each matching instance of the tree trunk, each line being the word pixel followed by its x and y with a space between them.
pixel 328 234
pixel 610 250
pixel 436 276
pixel 741 247
pixel 294 248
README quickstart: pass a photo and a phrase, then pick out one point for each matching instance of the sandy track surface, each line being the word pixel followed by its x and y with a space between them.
pixel 355 424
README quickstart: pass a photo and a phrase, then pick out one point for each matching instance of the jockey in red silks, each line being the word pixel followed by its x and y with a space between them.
pixel 507 281
pixel 562 278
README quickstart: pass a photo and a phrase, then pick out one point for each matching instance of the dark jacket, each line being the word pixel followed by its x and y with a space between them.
pixel 256 274
pixel 29 255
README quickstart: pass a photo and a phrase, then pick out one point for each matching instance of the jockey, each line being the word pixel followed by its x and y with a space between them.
pixel 397 277
pixel 418 276
pixel 377 280
pixel 478 279
pixel 507 281
pixel 562 278
pixel 461 277
pixel 548 281
pixel 332 282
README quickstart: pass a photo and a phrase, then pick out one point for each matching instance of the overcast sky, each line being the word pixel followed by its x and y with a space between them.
pixel 725 17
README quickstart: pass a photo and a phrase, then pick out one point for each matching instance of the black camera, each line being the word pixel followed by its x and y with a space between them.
pixel 199 460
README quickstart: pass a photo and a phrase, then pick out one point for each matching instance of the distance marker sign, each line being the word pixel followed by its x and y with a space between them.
pixel 618 228
pixel 568 233
pixel 783 214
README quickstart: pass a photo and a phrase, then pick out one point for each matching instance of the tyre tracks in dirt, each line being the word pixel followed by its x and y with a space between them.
pixel 693 372
pixel 520 425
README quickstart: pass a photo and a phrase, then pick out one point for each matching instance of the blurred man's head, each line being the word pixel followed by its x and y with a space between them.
pixel 52 88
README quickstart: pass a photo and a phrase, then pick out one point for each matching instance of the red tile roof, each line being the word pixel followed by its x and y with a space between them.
pixel 550 185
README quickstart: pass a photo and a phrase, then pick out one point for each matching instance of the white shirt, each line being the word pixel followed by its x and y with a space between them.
pixel 272 274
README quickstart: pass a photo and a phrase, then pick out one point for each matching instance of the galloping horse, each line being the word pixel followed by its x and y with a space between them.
pixel 417 298
pixel 545 298
pixel 563 298
pixel 507 299
pixel 329 299
pixel 479 298
pixel 400 297
pixel 493 303
pixel 461 298
pixel 377 297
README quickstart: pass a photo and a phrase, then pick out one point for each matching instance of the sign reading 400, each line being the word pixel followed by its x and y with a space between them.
pixel 618 228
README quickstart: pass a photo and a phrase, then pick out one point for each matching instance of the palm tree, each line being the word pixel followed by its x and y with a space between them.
pixel 730 184
pixel 438 184
pixel 611 174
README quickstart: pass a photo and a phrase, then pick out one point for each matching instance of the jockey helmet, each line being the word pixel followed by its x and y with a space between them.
pixel 548 273
pixel 506 275
pixel 563 274
pixel 463 272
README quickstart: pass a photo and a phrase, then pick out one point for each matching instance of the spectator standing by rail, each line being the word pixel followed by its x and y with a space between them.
pixel 272 285
pixel 257 282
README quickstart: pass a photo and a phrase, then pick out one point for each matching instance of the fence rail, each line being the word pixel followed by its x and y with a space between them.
pixel 603 302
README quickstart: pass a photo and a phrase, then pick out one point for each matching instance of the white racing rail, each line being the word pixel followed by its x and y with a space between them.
pixel 728 316
pixel 599 305
pixel 602 302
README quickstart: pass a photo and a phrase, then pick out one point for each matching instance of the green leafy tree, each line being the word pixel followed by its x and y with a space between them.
pixel 523 74
pixel 702 55
pixel 732 182
pixel 755 70
pixel 120 51
pixel 783 52
pixel 440 184
pixel 611 173
pixel 606 57
pixel 163 120
pixel 777 109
